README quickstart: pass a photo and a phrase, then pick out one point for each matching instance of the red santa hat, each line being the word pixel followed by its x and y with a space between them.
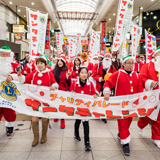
pixel 107 53
pixel 62 57
pixel 95 56
pixel 101 55
pixel 142 56
pixel 137 56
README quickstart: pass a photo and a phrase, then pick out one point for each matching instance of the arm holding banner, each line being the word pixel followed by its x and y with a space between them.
pixel 54 84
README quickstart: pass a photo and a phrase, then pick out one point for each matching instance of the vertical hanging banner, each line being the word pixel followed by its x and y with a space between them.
pixel 103 34
pixel 42 24
pixel 79 46
pixel 149 48
pixel 72 47
pixel 124 50
pixel 94 44
pixel 136 35
pixel 154 44
pixel 37 24
pixel 59 40
pixel 124 19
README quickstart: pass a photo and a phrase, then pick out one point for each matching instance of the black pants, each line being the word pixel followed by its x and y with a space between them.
pixel 85 127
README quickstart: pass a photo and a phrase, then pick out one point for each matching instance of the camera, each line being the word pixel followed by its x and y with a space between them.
pixel 19 68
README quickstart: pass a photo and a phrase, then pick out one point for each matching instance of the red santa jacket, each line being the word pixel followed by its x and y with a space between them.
pixel 149 74
pixel 43 78
pixel 70 65
pixel 29 67
pixel 124 83
pixel 97 73
pixel 74 73
pixel 14 66
pixel 87 89
pixel 138 66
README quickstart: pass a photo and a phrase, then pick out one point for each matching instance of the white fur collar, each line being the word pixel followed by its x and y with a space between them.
pixel 44 71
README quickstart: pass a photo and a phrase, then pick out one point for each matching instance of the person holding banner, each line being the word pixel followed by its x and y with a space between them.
pixel 126 82
pixel 138 64
pixel 150 79
pixel 62 78
pixel 41 77
pixel 83 86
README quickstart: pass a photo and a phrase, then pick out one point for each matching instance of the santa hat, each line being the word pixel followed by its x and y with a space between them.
pixel 44 57
pixel 101 55
pixel 27 54
pixel 95 56
pixel 157 50
pixel 62 57
pixel 107 53
pixel 142 56
pixel 126 58
pixel 137 56
pixel 5 49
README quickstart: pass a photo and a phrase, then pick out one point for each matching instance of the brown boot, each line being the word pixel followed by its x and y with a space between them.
pixel 44 131
pixel 35 129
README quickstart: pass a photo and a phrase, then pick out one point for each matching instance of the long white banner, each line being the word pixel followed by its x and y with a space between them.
pixel 59 40
pixel 39 101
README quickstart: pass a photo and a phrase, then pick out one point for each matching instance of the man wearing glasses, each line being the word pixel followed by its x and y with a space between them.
pixel 126 82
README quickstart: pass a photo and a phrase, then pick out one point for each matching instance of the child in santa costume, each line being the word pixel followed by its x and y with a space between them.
pixel 84 57
pixel 7 70
pixel 150 76
pixel 29 66
pixel 143 59
pixel 126 82
pixel 83 86
pixel 74 74
pixel 91 64
pixel 62 78
pixel 100 70
pixel 42 77
pixel 138 64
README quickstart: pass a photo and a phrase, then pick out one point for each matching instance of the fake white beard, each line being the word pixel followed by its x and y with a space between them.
pixel 95 61
pixel 106 63
pixel 5 66
pixel 157 64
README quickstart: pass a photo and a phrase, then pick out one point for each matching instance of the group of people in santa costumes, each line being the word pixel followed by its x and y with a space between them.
pixel 126 81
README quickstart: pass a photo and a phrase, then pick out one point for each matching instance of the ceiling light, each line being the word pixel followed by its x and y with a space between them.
pixel 132 14
pixel 19 10
pixel 151 13
pixel 114 14
pixel 155 17
pixel 32 3
pixel 109 31
pixel 147 13
pixel 10 2
pixel 152 0
pixel 113 28
pixel 109 19
pixel 144 17
pixel 141 8
pixel 24 15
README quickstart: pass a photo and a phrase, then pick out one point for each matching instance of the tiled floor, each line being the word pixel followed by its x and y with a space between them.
pixel 61 144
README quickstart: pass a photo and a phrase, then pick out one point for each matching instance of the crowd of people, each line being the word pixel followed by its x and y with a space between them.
pixel 102 76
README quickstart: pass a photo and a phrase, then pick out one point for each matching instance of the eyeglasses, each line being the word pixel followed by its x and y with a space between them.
pixel 130 63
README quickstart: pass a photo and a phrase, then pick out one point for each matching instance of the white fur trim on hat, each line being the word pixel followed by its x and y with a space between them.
pixel 62 59
pixel 100 55
pixel 128 58
pixel 4 50
pixel 158 50
pixel 107 53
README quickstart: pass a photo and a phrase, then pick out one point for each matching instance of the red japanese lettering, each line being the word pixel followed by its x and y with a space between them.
pixel 68 110
pixel 33 103
pixel 83 111
pixel 79 101
pixel 98 115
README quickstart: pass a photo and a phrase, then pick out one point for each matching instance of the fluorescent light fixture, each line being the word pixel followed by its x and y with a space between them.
pixel 10 2
pixel 32 3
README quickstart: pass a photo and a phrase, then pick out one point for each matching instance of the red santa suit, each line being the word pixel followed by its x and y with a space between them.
pixel 149 74
pixel 125 84
pixel 74 74
pixel 85 64
pixel 14 66
pixel 97 74
pixel 29 67
pixel 43 78
pixel 138 66
pixel 70 65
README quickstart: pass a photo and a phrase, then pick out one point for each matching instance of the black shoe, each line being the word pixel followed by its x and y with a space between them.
pixel 9 131
pixel 118 136
pixel 87 146
pixel 126 150
pixel 77 137
pixel 104 120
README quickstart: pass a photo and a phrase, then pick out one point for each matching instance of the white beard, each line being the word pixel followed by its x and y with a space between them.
pixel 5 66
pixel 95 61
pixel 157 64
pixel 106 63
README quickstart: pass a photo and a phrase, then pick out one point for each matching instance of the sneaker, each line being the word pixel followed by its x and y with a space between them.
pixel 118 136
pixel 55 120
pixel 157 143
pixel 139 131
pixel 8 131
pixel 62 124
pixel 77 137
pixel 104 120
pixel 87 146
pixel 126 150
